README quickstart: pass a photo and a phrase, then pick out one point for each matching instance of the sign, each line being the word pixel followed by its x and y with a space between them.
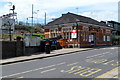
pixel 74 33
pixel 7 24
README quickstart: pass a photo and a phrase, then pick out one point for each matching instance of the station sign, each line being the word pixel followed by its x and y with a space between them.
pixel 74 33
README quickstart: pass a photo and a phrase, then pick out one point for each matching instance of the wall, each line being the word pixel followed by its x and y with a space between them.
pixel 31 50
pixel 15 49
pixel 8 49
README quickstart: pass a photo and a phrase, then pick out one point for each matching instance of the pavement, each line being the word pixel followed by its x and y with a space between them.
pixel 110 74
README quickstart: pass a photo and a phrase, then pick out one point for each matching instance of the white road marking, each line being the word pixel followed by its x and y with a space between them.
pixel 98 55
pixel 33 70
pixel 48 70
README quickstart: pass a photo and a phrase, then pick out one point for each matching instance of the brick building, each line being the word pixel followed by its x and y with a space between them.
pixel 89 31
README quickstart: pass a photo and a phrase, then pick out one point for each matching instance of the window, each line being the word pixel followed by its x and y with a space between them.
pixel 108 38
pixel 66 35
pixel 104 39
pixel 85 36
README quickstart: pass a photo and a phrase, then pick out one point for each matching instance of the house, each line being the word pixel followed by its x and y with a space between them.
pixel 89 32
pixel 115 32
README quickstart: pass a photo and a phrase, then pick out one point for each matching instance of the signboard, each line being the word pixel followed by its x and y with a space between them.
pixel 74 33
pixel 6 25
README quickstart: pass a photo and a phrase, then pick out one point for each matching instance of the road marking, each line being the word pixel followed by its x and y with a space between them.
pixel 48 70
pixel 117 63
pixel 96 61
pixel 107 73
pixel 90 72
pixel 72 64
pixel 99 61
pixel 17 78
pixel 108 62
pixel 32 70
pixel 98 55
pixel 82 71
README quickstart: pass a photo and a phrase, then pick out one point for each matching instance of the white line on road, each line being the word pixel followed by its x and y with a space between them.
pixel 98 55
pixel 32 70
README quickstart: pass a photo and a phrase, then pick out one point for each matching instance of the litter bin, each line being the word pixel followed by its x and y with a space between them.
pixel 47 47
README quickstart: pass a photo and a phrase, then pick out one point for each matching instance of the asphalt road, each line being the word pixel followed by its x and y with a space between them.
pixel 86 64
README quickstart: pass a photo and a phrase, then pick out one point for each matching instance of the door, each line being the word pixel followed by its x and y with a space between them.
pixel 93 41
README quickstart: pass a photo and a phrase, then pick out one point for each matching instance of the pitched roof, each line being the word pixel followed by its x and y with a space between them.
pixel 73 18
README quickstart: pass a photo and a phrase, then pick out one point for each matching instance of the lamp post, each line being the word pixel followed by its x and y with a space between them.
pixel 45 18
pixel 77 25
pixel 32 15
pixel 36 12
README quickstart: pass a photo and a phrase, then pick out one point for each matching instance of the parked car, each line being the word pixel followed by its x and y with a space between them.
pixel 54 44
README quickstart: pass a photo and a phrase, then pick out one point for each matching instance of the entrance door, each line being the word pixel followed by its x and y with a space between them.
pixel 93 41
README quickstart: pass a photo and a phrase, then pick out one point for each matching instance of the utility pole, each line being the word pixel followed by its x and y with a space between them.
pixel 45 18
pixel 32 15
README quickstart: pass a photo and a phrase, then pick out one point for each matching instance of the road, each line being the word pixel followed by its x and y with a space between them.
pixel 86 64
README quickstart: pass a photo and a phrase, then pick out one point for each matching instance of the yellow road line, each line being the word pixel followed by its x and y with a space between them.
pixel 48 70
pixel 72 64
pixel 108 62
pixel 107 73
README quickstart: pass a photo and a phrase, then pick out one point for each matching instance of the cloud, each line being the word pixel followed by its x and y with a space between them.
pixel 52 7
pixel 102 15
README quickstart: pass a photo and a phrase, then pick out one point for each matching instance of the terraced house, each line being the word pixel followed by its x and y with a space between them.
pixel 89 32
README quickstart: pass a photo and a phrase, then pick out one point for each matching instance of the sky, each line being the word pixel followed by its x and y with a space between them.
pixel 101 10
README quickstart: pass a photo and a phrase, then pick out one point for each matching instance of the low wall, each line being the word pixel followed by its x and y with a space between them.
pixel 31 50
pixel 11 49
pixel 8 49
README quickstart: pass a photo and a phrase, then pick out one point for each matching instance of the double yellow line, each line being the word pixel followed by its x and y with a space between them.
pixel 109 72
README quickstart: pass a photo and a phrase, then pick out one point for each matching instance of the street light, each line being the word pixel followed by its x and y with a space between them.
pixel 36 12
pixel 77 25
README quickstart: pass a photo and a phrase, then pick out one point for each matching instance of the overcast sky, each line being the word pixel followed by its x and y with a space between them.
pixel 96 9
